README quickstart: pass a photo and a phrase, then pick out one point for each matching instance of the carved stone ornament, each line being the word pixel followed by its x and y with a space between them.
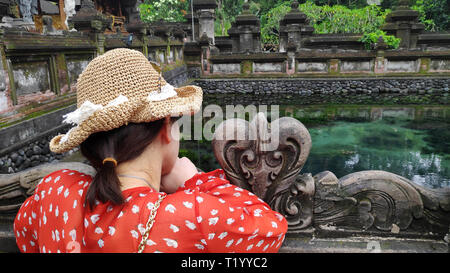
pixel 89 19
pixel 367 202
pixel 266 159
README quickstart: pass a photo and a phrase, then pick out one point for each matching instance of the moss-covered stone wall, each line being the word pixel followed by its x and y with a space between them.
pixel 332 90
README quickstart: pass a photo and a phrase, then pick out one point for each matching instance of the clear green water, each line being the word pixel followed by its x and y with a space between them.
pixel 420 155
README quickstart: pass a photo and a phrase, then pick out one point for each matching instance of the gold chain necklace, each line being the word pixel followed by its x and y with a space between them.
pixel 150 222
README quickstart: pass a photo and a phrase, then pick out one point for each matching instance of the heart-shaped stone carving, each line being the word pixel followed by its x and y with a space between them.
pixel 260 157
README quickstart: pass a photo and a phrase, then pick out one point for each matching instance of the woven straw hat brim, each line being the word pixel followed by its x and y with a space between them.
pixel 187 102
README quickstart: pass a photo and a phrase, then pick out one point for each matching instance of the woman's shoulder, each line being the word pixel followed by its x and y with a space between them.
pixel 63 179
pixel 67 176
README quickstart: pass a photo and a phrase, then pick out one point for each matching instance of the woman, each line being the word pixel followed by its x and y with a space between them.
pixel 143 198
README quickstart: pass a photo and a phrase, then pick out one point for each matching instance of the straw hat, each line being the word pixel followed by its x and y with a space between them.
pixel 119 87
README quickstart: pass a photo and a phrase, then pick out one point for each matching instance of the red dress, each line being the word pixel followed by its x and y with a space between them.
pixel 206 214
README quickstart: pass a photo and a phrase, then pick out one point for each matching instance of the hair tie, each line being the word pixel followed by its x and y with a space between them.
pixel 110 159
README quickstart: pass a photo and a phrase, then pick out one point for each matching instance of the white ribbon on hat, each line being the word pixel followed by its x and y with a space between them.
pixel 167 91
pixel 86 110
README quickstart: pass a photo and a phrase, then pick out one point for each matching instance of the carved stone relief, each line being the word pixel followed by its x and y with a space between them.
pixel 364 202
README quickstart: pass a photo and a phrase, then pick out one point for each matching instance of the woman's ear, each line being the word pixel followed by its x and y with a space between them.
pixel 166 131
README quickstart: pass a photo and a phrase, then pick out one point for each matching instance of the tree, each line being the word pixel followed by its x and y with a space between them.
pixel 226 12
pixel 166 10
pixel 325 19
pixel 435 14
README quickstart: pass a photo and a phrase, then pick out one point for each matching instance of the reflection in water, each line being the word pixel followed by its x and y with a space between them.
pixel 346 147
pixel 413 143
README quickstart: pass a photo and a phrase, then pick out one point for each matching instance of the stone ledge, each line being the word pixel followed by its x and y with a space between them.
pixel 363 245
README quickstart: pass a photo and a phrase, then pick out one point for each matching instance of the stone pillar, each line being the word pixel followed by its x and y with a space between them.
pixel 246 41
pixel 53 75
pixel 188 27
pixel 290 62
pixel 333 66
pixel 89 20
pixel 28 8
pixel 204 10
pixel 245 32
pixel 403 22
pixel 424 65
pixel 293 27
pixel 205 43
pixel 7 89
pixel 98 36
pixel 246 67
pixel 192 58
pixel 380 60
pixel 61 73
pixel 135 26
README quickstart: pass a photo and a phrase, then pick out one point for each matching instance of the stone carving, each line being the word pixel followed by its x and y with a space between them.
pixel 69 9
pixel 47 26
pixel 365 199
pixel 131 10
pixel 28 8
pixel 380 201
pixel 88 19
pixel 403 22
pixel 245 32
pixel 367 202
pixel 247 155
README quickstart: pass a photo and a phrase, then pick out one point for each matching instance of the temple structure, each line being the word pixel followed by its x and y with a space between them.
pixel 32 14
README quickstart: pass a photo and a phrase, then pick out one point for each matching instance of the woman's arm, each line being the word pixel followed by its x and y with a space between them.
pixel 182 171
pixel 233 219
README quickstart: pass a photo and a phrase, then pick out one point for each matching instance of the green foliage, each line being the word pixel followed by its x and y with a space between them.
pixel 271 22
pixel 341 19
pixel 325 19
pixel 429 23
pixel 221 27
pixel 189 154
pixel 226 13
pixel 327 16
pixel 371 38
pixel 434 14
pixel 166 10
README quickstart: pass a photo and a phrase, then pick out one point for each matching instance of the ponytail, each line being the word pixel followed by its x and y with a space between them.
pixel 105 186
pixel 105 150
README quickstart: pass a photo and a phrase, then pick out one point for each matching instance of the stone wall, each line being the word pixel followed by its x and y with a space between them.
pixel 177 76
pixel 33 154
pixel 42 67
pixel 303 52
pixel 25 144
pixel 312 91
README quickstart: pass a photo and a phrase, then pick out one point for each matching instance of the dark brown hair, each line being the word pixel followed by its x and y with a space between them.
pixel 123 144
